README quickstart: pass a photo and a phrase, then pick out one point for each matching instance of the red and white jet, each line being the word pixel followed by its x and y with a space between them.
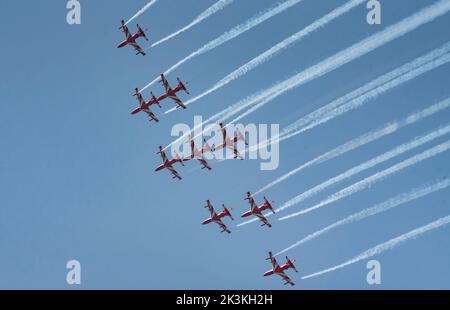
pixel 168 164
pixel 257 210
pixel 172 92
pixel 279 269
pixel 145 106
pixel 230 143
pixel 198 154
pixel 217 217
pixel 131 39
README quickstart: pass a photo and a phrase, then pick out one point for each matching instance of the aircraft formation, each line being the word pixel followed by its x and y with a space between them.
pixel 198 154
pixel 350 101
pixel 256 211
pixel 169 93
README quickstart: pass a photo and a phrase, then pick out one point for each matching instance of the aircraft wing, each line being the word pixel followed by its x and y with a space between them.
pixel 204 164
pixel 165 83
pixel 177 100
pixel 237 154
pixel 163 156
pixel 252 203
pixel 286 279
pixel 174 173
pixel 126 31
pixel 211 210
pixel 151 115
pixel 229 145
pixel 224 135
pixel 140 99
pixel 273 261
pixel 137 48
pixel 223 226
pixel 263 219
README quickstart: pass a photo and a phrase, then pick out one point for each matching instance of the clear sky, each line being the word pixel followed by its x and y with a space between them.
pixel 76 169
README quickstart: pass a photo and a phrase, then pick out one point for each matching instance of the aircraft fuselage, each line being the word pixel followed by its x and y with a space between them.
pixel 132 39
pixel 279 269
pixel 258 210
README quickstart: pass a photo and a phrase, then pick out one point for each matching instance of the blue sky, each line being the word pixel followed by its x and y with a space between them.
pixel 76 169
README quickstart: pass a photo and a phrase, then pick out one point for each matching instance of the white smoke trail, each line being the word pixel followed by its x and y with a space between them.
pixel 418 62
pixel 357 50
pixel 369 181
pixel 216 7
pixel 361 95
pixel 351 145
pixel 351 101
pixel 378 208
pixel 357 102
pixel 406 147
pixel 273 51
pixel 374 93
pixel 218 117
pixel 362 140
pixel 145 8
pixel 231 34
pixel 389 245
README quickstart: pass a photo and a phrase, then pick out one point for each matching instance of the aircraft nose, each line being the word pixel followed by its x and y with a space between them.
pixel 268 273
pixel 207 221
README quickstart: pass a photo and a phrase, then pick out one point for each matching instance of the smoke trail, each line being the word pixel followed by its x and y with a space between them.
pixel 361 95
pixel 417 142
pixel 216 7
pixel 231 34
pixel 145 8
pixel 218 117
pixel 385 83
pixel 353 144
pixel 374 93
pixel 273 51
pixel 389 245
pixel 363 140
pixel 418 62
pixel 365 183
pixel 357 50
pixel 378 208
pixel 332 63
pixel 357 102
